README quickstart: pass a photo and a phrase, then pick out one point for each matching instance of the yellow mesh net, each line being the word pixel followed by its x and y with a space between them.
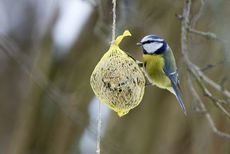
pixel 117 80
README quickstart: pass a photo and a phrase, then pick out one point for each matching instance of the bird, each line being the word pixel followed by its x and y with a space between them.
pixel 160 66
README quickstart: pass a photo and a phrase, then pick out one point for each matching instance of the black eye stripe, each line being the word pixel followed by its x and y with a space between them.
pixel 147 42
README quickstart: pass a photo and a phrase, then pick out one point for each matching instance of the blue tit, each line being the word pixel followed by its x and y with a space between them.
pixel 160 66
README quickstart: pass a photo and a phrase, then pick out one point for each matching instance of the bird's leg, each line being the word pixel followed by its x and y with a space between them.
pixel 148 83
pixel 140 64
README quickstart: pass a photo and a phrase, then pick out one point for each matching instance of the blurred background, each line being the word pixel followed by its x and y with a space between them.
pixel 48 50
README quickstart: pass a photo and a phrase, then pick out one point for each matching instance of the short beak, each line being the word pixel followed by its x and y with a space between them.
pixel 139 43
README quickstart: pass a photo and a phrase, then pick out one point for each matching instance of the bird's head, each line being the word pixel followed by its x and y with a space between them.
pixel 153 44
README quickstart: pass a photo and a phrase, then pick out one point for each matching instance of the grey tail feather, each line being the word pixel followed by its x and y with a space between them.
pixel 179 98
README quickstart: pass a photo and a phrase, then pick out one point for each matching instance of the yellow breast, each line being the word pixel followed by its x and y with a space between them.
pixel 154 65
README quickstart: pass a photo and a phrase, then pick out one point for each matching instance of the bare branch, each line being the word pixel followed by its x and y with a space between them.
pixel 195 95
pixel 223 81
pixel 208 35
pixel 199 13
pixel 208 94
pixel 194 70
pixel 184 26
pixel 209 81
pixel 215 130
pixel 207 115
pixel 209 66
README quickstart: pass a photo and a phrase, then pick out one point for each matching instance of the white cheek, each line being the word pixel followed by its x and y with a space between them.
pixel 152 47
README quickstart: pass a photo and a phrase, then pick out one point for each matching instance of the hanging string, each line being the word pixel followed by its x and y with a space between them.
pixel 114 20
pixel 98 150
pixel 99 121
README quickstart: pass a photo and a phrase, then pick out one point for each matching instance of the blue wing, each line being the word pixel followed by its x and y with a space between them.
pixel 171 71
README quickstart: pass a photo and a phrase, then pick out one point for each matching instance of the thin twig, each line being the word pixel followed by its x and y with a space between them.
pixel 223 81
pixel 208 94
pixel 208 35
pixel 195 95
pixel 209 66
pixel 207 115
pixel 215 130
pixel 184 26
pixel 198 14
pixel 210 81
